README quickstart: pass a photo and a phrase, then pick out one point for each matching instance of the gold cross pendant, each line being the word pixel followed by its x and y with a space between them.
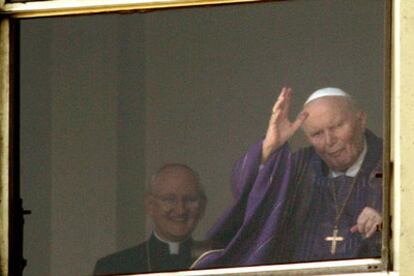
pixel 334 239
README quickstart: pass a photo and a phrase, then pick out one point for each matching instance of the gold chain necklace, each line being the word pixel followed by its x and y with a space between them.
pixel 335 238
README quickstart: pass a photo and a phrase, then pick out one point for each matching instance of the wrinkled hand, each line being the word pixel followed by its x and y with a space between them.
pixel 369 221
pixel 280 129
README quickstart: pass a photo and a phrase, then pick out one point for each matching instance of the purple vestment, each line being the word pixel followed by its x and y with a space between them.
pixel 284 211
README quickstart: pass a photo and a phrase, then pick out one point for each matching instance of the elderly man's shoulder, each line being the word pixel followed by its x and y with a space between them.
pixel 128 260
pixel 127 253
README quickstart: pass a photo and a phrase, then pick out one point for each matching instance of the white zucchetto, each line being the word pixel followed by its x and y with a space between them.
pixel 324 92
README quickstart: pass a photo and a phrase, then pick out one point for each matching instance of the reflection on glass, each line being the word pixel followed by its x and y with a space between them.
pixel 108 99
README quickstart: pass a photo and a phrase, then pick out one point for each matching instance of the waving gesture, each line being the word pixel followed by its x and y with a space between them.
pixel 280 129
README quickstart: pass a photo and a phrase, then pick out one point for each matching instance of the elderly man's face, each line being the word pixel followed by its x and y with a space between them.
pixel 175 205
pixel 335 130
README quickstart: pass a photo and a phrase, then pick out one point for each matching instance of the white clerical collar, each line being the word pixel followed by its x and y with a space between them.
pixel 174 247
pixel 354 169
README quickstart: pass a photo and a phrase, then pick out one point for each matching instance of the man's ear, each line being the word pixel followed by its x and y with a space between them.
pixel 362 119
pixel 202 209
pixel 149 204
pixel 307 138
pixel 305 135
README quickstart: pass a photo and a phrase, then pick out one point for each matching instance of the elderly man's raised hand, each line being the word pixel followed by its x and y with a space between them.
pixel 280 128
pixel 369 221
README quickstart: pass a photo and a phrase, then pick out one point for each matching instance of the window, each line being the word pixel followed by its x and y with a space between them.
pixel 168 58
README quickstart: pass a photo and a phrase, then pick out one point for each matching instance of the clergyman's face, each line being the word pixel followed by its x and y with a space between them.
pixel 175 205
pixel 335 130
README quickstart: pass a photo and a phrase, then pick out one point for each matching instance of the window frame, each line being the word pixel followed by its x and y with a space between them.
pixel 11 13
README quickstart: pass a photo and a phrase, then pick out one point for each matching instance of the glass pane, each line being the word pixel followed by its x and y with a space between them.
pixel 106 100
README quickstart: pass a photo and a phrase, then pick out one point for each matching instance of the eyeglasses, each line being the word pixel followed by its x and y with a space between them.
pixel 171 201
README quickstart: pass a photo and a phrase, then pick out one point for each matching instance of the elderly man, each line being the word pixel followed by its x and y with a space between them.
pixel 322 202
pixel 175 201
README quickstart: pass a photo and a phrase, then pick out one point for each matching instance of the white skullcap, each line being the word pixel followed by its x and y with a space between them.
pixel 324 92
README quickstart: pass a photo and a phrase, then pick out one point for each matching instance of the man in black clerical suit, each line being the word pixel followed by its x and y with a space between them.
pixel 175 201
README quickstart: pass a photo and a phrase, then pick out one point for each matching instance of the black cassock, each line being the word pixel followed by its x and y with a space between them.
pixel 152 255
